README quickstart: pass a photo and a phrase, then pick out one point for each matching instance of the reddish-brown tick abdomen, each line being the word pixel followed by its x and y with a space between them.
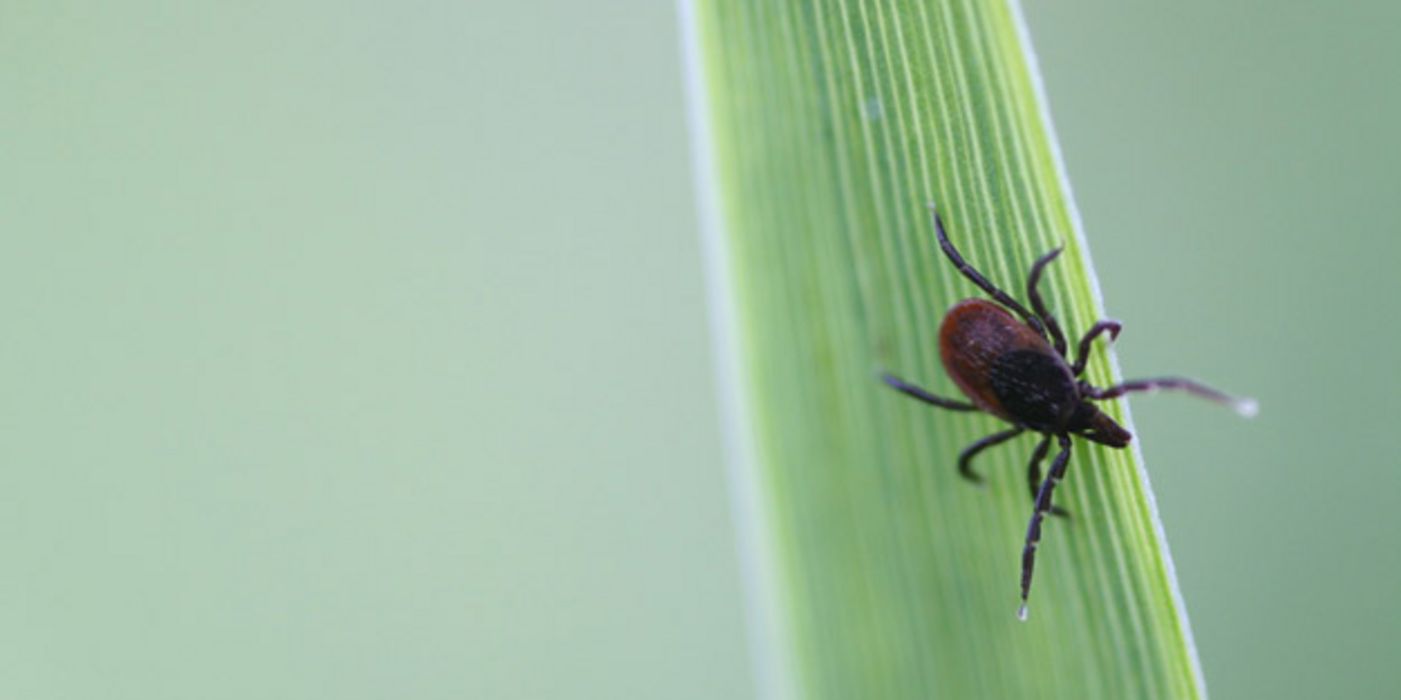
pixel 1005 367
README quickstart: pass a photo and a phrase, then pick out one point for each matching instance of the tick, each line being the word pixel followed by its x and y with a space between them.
pixel 1015 367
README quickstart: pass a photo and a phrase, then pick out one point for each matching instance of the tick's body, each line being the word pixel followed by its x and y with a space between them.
pixel 1010 371
pixel 1006 368
pixel 1017 370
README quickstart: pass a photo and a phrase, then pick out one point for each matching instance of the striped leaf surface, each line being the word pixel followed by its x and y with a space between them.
pixel 823 128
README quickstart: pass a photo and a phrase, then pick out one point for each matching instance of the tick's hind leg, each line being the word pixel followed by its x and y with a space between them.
pixel 913 391
pixel 965 458
pixel 1033 474
pixel 1245 407
pixel 1082 354
pixel 1043 506
pixel 1033 281
pixel 977 278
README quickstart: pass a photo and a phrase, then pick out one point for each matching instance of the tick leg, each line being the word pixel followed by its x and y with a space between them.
pixel 1043 506
pixel 1033 474
pixel 1245 407
pixel 965 458
pixel 1033 280
pixel 903 387
pixel 1082 355
pixel 977 278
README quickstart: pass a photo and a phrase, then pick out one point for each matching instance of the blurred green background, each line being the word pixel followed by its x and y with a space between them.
pixel 359 350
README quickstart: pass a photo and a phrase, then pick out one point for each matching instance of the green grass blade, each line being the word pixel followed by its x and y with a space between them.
pixel 823 128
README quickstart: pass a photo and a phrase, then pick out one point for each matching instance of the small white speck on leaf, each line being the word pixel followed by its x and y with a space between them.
pixel 873 109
